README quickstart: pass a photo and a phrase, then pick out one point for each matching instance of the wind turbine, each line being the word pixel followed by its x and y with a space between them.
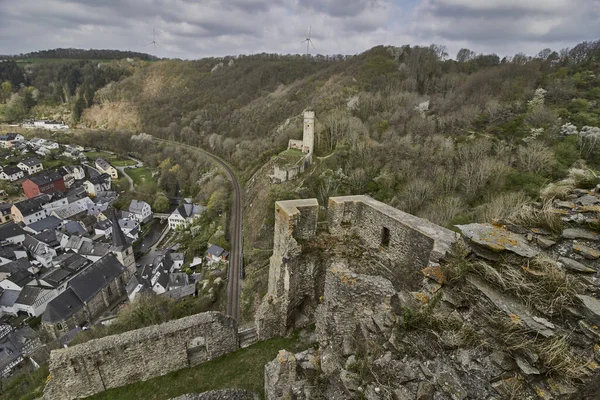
pixel 308 41
pixel 154 42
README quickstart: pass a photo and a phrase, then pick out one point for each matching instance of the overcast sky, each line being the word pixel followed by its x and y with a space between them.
pixel 199 28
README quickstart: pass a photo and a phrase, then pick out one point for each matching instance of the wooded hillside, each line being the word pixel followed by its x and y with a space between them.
pixel 452 140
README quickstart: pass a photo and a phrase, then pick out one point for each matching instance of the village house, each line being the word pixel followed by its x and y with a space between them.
pixel 40 251
pixel 12 233
pixel 216 254
pixel 71 210
pixel 33 300
pixel 15 347
pixel 11 174
pixel 71 173
pixel 47 224
pixel 8 140
pixel 130 227
pixel 103 228
pixel 44 182
pixel 97 184
pixel 87 296
pixel 50 125
pixel 5 214
pixel 106 168
pixel 184 215
pixel 31 165
pixel 28 211
pixel 142 212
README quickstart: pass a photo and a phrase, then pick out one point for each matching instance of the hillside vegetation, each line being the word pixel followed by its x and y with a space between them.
pixel 450 140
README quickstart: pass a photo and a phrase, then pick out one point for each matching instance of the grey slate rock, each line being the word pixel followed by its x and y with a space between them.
pixel 578 233
pixel 573 265
pixel 591 306
pixel 545 243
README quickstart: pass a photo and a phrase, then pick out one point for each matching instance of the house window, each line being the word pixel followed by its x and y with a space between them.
pixel 59 326
pixel 109 291
pixel 385 237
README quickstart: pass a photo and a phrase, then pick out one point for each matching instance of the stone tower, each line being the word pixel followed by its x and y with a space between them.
pixel 308 139
pixel 121 248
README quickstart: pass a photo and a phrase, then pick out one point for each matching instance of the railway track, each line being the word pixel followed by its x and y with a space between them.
pixel 234 281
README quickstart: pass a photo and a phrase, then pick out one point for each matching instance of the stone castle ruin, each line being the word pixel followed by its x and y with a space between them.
pixel 139 355
pixel 289 167
pixel 297 283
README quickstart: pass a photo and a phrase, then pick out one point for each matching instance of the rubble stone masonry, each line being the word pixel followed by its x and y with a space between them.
pixel 139 355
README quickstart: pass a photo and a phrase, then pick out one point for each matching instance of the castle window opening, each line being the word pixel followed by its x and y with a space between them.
pixel 385 237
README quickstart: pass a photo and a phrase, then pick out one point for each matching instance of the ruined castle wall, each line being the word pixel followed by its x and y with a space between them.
pixel 138 355
pixel 410 242
pixel 294 220
pixel 352 301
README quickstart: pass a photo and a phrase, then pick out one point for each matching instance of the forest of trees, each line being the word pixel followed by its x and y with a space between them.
pixel 80 54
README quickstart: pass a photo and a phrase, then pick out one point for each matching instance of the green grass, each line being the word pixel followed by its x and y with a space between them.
pixel 93 155
pixel 140 175
pixel 242 369
pixel 26 386
pixel 123 163
pixel 114 159
pixel 51 164
pixel 290 156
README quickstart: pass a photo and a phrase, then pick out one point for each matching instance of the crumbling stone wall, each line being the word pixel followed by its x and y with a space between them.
pixel 354 308
pixel 139 355
pixel 411 242
pixel 294 220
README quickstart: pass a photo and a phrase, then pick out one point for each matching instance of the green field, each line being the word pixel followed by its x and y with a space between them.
pixel 114 159
pixel 140 175
pixel 243 369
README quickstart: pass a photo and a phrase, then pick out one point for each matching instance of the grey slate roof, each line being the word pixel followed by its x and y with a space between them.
pixel 9 297
pixel 45 224
pixel 217 251
pixel 28 207
pixel 74 227
pixel 12 170
pixel 136 206
pixel 71 261
pixel 10 230
pixel 102 178
pixel 94 278
pixel 94 249
pixel 102 163
pixel 18 265
pixel 33 161
pixel 51 238
pixel 45 177
pixel 29 295
pixel 57 276
pixel 188 210
pixel 104 224
pixel 62 307
pixel 118 236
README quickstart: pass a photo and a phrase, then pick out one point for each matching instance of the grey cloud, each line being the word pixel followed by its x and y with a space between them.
pixel 198 28
pixel 495 22
pixel 340 8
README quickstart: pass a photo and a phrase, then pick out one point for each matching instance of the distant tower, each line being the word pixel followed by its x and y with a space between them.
pixel 308 139
pixel 121 248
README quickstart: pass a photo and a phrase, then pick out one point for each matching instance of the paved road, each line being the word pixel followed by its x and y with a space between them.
pixel 122 171
pixel 234 281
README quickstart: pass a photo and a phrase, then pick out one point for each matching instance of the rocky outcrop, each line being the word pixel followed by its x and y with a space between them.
pixel 511 312
pixel 225 394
